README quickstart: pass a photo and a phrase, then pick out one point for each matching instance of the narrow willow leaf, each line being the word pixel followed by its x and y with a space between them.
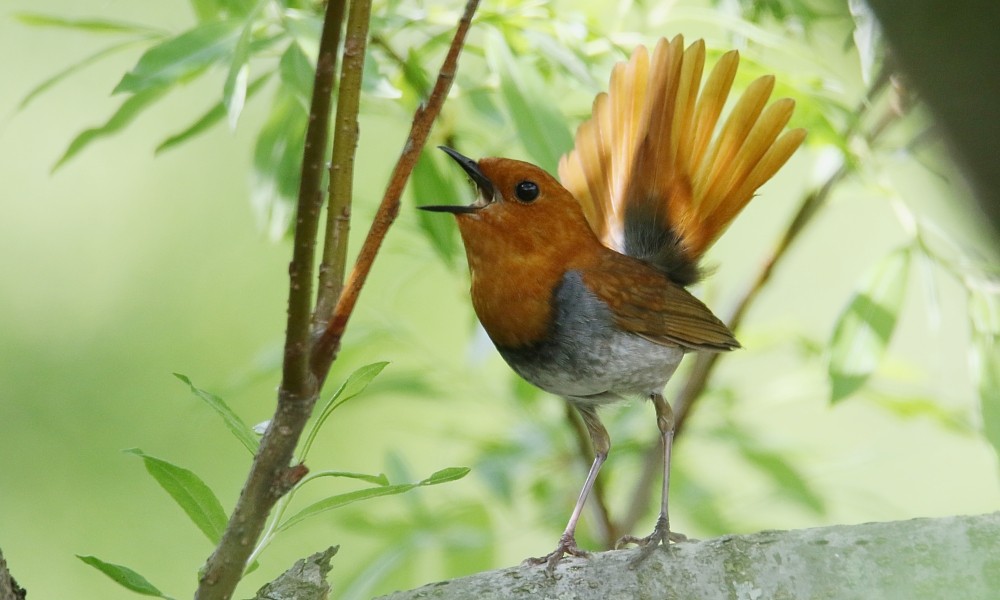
pixel 206 10
pixel 88 25
pixel 189 492
pixel 433 188
pixel 379 479
pixel 124 577
pixel 175 59
pixel 785 476
pixel 126 113
pixel 73 68
pixel 240 8
pixel 984 311
pixel 297 72
pixel 277 163
pixel 541 129
pixel 864 328
pixel 235 424
pixel 988 384
pixel 234 91
pixel 343 499
pixel 442 476
pixel 355 384
pixel 213 116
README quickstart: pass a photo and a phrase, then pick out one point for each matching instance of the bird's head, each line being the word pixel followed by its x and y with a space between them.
pixel 519 210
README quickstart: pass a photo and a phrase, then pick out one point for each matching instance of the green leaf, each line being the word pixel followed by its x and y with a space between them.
pixel 379 479
pixel 785 476
pixel 189 492
pixel 277 163
pixel 88 25
pixel 177 58
pixel 234 91
pixel 297 72
pixel 124 577
pixel 988 383
pixel 984 311
pixel 442 476
pixel 213 10
pixel 210 118
pixel 540 127
pixel 125 114
pixel 445 475
pixel 235 424
pixel 73 68
pixel 206 10
pixel 431 187
pixel 355 384
pixel 863 330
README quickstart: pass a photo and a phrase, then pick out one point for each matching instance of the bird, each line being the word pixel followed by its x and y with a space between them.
pixel 581 281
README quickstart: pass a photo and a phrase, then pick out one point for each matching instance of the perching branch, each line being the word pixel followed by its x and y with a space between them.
pixel 329 342
pixel 921 559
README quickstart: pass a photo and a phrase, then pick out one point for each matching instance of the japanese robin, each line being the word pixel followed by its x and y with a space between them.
pixel 581 282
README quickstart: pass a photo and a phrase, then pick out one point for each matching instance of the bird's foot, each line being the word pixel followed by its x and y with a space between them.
pixel 567 545
pixel 661 536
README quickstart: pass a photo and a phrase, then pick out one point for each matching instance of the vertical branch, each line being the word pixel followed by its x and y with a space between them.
pixel 270 476
pixel 329 342
pixel 345 142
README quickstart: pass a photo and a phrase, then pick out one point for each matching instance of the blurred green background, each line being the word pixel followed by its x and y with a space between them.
pixel 120 269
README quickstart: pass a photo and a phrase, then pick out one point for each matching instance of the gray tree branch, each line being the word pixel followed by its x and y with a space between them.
pixel 920 559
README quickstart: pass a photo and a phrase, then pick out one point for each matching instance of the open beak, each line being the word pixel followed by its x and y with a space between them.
pixel 485 186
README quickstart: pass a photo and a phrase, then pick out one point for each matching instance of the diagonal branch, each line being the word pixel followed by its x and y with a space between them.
pixel 329 342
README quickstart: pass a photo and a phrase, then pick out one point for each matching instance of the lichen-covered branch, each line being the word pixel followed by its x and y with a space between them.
pixel 921 559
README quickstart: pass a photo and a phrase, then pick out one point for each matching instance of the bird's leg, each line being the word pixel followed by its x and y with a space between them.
pixel 661 532
pixel 567 542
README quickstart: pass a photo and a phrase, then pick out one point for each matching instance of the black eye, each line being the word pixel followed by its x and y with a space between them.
pixel 526 191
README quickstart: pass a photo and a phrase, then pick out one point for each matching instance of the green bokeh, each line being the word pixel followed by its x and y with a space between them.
pixel 121 269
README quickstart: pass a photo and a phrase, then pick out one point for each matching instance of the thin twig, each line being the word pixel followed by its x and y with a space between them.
pixel 345 143
pixel 705 363
pixel 270 476
pixel 329 342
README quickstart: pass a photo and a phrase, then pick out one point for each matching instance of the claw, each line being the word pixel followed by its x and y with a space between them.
pixel 567 545
pixel 661 536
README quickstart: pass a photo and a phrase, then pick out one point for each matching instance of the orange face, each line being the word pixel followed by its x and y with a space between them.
pixel 521 235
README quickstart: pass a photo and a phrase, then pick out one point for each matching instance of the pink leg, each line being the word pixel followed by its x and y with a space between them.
pixel 661 532
pixel 567 542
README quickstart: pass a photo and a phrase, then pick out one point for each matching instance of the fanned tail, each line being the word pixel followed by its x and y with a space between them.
pixel 652 176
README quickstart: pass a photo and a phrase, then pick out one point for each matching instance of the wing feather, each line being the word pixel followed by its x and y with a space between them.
pixel 653 149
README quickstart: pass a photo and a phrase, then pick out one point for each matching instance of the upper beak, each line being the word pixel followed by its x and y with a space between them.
pixel 471 168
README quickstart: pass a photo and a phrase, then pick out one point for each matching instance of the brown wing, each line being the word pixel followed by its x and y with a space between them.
pixel 647 303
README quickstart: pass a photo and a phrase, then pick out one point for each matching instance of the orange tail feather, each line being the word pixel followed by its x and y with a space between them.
pixel 653 177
